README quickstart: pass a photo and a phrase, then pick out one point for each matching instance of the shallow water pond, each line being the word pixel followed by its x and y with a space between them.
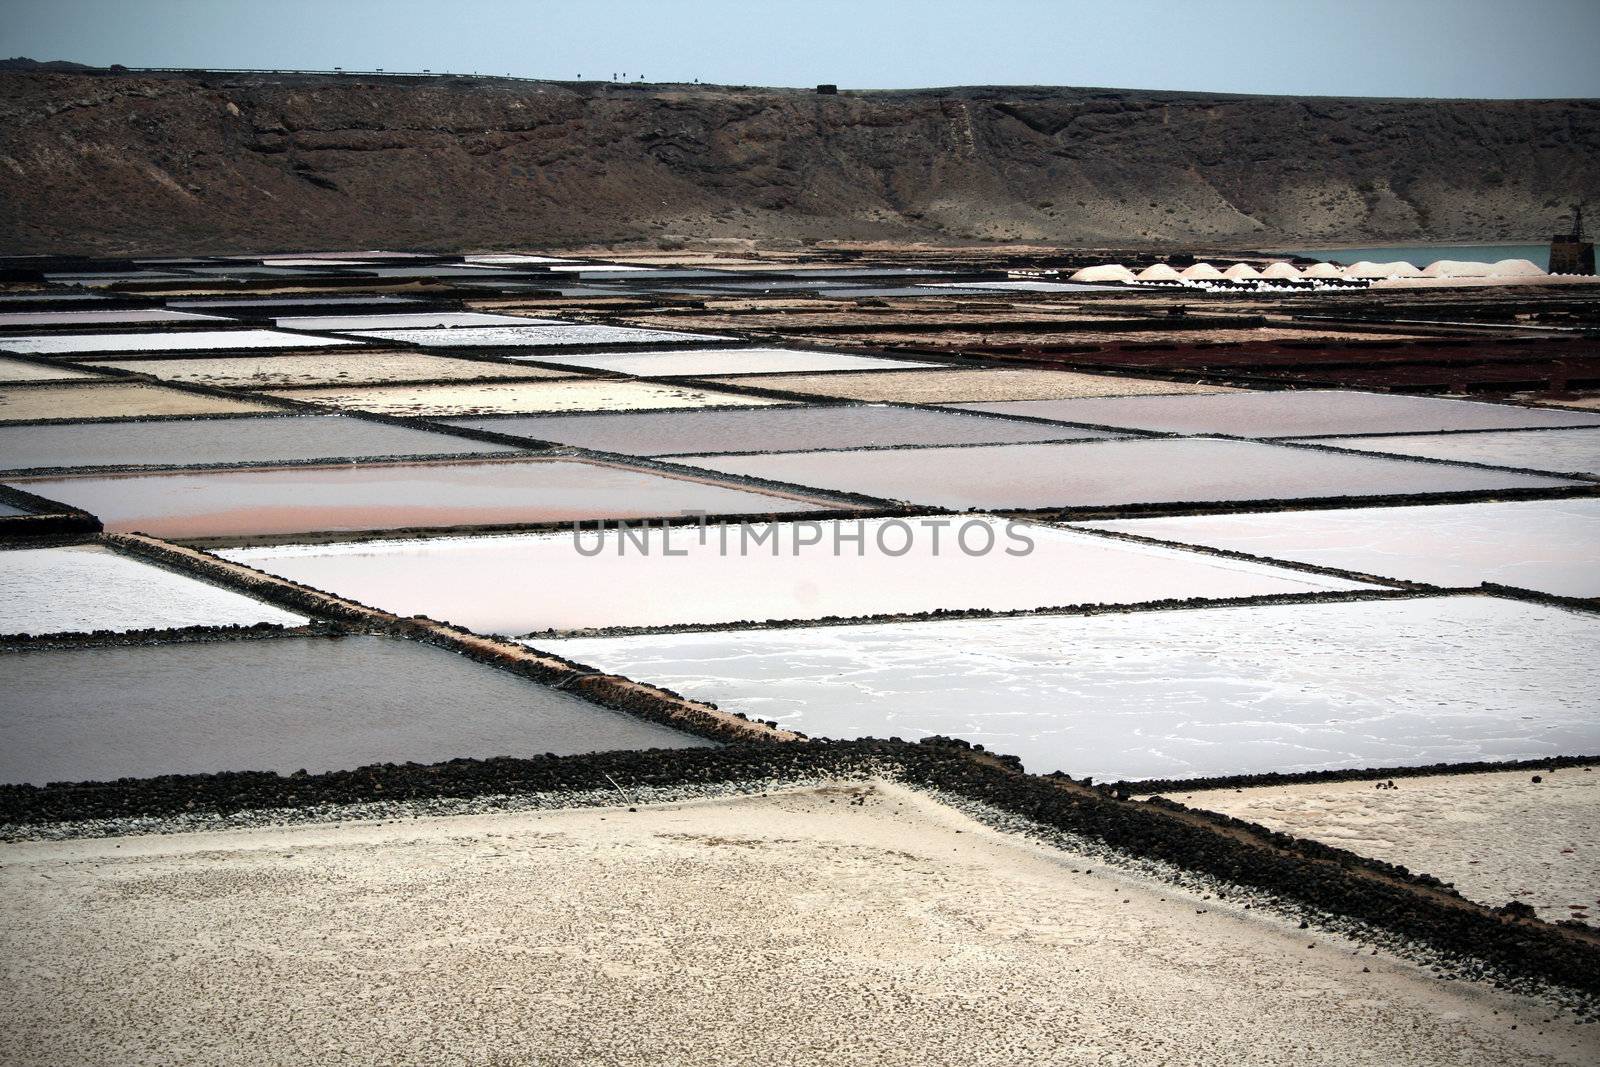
pixel 1101 473
pixel 1190 693
pixel 381 496
pixel 282 704
pixel 786 570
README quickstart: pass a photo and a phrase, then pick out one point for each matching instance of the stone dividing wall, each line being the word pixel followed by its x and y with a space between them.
pixel 612 691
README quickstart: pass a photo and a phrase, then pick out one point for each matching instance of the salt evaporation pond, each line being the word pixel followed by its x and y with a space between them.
pixel 329 367
pixel 495 398
pixel 163 341
pixel 1157 694
pixel 1292 413
pixel 15 370
pixel 783 429
pixel 308 299
pixel 125 317
pixel 727 361
pixel 383 496
pixel 1103 473
pixel 939 386
pixel 115 400
pixel 405 320
pixel 282 704
pixel 1552 546
pixel 1556 451
pixel 249 439
pixel 521 583
pixel 555 335
pixel 82 588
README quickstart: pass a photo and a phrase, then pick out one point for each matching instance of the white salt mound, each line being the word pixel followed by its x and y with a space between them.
pixel 1322 270
pixel 1456 268
pixel 1201 272
pixel 1241 272
pixel 1103 272
pixel 1159 272
pixel 1515 268
pixel 1366 269
pixel 1279 271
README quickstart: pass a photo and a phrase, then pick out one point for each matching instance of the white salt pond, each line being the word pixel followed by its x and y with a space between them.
pixel 1551 546
pixel 246 439
pixel 728 361
pixel 126 316
pixel 534 336
pixel 781 429
pixel 496 398
pixel 1157 694
pixel 1291 413
pixel 162 341
pixel 790 570
pixel 1103 473
pixel 384 496
pixel 282 704
pixel 81 588
pixel 1556 451
pixel 405 320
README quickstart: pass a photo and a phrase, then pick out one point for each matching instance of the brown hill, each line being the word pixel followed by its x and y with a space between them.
pixel 110 161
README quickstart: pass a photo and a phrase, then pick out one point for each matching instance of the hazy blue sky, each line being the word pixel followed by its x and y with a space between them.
pixel 1502 48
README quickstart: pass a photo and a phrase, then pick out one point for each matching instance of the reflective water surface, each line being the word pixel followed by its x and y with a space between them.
pixel 1552 546
pixel 392 496
pixel 1095 473
pixel 317 703
pixel 1149 694
pixel 521 583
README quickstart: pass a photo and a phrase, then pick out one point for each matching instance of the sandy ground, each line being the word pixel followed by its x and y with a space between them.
pixel 796 928
pixel 496 398
pixel 321 368
pixel 93 401
pixel 958 386
pixel 1497 837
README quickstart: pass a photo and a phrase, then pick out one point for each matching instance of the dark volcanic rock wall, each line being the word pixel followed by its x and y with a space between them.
pixel 135 163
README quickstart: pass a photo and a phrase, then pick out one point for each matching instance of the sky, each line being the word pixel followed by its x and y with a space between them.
pixel 1424 48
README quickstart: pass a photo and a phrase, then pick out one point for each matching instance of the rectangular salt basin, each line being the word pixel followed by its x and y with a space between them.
pixel 490 398
pixel 250 303
pixel 725 361
pixel 766 571
pixel 15 370
pixel 1292 413
pixel 335 367
pixel 1552 546
pixel 1166 694
pixel 385 496
pixel 174 341
pixel 282 704
pixel 559 334
pixel 126 316
pixel 82 588
pixel 405 320
pixel 115 400
pixel 251 439
pixel 1105 473
pixel 784 429
pixel 1557 451
pixel 951 386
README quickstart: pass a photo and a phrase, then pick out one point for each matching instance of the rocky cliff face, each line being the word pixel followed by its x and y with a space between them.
pixel 114 162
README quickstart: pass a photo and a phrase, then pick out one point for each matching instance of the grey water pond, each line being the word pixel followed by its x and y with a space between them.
pixel 282 704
